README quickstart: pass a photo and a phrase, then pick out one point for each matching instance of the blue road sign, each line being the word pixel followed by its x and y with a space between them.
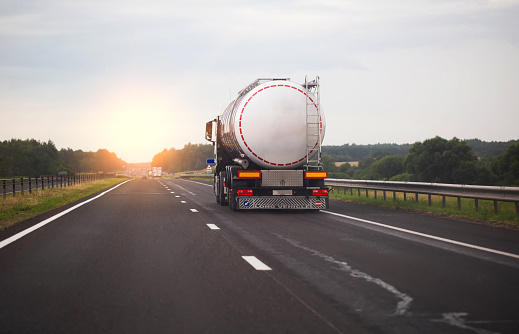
pixel 210 161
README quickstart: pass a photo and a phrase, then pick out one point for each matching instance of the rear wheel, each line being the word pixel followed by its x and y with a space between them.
pixel 232 184
pixel 233 204
pixel 216 189
pixel 221 193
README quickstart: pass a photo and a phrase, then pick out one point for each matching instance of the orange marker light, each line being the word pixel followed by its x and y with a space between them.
pixel 319 174
pixel 249 174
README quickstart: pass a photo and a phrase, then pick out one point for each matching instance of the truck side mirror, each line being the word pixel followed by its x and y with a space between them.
pixel 209 131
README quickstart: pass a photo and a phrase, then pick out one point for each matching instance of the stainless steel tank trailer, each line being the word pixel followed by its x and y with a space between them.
pixel 268 147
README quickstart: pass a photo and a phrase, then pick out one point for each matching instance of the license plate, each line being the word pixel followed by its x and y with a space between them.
pixel 282 192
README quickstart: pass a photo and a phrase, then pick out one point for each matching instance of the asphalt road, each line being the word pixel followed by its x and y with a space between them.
pixel 161 256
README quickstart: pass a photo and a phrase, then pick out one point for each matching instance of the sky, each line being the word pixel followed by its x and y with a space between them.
pixel 136 77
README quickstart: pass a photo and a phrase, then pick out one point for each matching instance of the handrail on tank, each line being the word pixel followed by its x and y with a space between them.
pixel 258 82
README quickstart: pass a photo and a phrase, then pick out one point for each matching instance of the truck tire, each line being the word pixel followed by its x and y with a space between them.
pixel 215 188
pixel 221 193
pixel 233 203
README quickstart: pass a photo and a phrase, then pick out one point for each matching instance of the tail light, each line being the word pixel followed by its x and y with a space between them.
pixel 244 192
pixel 316 174
pixel 320 192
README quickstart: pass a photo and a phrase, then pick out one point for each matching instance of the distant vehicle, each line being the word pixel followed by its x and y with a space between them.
pixel 144 176
pixel 156 172
pixel 268 147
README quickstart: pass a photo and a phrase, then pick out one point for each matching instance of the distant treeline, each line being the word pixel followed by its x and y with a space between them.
pixel 353 152
pixel 191 157
pixel 31 158
pixel 436 160
pixel 433 160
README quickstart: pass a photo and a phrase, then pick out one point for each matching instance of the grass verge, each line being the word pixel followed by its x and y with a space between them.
pixel 506 215
pixel 16 209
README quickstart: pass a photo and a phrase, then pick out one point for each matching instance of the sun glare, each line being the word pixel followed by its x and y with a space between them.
pixel 137 126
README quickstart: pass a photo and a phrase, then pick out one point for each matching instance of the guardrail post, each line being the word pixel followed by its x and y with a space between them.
pixel 30 187
pixel 384 195
pixel 394 196
pixel 416 197
pixel 517 208
pixel 495 207
pixel 405 196
pixel 14 185
pixel 358 191
pixel 443 201
pixel 367 193
pixel 476 204
pixel 430 200
pixel 459 203
pixel 21 186
pixel 3 186
pixel 375 193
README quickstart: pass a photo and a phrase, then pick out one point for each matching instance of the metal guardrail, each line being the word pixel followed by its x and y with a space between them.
pixel 491 193
pixel 22 185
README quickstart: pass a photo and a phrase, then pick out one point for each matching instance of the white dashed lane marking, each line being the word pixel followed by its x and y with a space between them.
pixel 257 264
pixel 213 227
pixel 183 202
pixel 193 210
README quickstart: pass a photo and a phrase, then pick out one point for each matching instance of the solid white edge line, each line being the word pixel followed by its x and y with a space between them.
pixel 19 235
pixel 459 243
pixel 257 264
pixel 213 227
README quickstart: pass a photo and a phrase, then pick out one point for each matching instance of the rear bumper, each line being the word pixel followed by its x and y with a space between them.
pixel 282 202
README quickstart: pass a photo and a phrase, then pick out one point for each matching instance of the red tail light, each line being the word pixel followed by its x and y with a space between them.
pixel 320 192
pixel 244 192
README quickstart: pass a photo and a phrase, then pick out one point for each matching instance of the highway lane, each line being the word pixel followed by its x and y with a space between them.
pixel 141 259
pixel 393 280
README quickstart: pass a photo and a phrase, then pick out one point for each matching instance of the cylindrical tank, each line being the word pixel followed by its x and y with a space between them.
pixel 269 125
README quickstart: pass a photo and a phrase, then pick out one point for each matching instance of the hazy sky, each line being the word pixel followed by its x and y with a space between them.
pixel 136 77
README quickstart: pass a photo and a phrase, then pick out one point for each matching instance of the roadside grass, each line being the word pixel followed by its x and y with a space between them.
pixel 16 209
pixel 506 215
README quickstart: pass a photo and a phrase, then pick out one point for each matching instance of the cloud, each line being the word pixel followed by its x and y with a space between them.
pixel 401 69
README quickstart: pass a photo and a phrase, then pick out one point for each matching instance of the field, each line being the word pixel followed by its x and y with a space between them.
pixel 506 215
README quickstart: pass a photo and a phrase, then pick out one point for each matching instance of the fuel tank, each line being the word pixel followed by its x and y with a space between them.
pixel 273 123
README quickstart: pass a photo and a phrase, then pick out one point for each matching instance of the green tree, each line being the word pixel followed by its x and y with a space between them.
pixel 441 160
pixel 506 166
pixel 386 167
pixel 191 157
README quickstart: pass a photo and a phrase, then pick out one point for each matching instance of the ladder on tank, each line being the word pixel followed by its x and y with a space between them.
pixel 313 122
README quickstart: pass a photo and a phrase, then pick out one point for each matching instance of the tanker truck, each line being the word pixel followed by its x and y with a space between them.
pixel 268 147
